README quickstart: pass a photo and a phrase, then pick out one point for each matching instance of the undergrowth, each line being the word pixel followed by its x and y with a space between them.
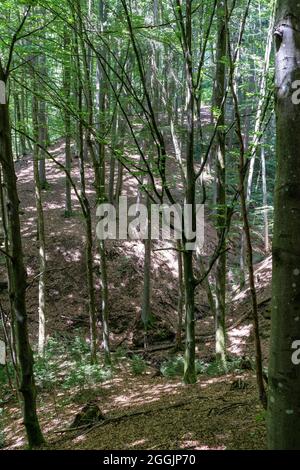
pixel 2 433
pixel 138 365
pixel 67 365
pixel 174 366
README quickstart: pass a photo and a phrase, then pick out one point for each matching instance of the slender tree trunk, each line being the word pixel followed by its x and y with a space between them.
pixel 119 183
pixel 12 339
pixel 25 357
pixel 67 119
pixel 242 193
pixel 242 259
pixel 87 217
pixel 101 98
pixel 260 107
pixel 105 311
pixel 146 301
pixel 265 200
pixel 40 231
pixel 89 254
pixel 221 186
pixel 180 304
pixel 43 125
pixel 99 169
pixel 20 123
pixel 206 285
pixel 120 168
pixel 189 375
pixel 112 166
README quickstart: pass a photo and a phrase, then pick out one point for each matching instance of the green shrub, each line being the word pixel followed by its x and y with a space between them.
pixel 138 365
pixel 53 347
pixel 67 365
pixel 215 368
pixel 233 364
pixel 46 367
pixel 2 434
pixel 78 348
pixel 86 374
pixel 261 416
pixel 172 367
pixel 119 355
pixel 3 376
pixel 200 366
pixel 46 372
pixel 175 366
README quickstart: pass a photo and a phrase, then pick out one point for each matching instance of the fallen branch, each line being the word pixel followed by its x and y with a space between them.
pixel 226 408
pixel 159 347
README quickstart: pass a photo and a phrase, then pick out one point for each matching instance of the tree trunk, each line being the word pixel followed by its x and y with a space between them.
pixel 40 230
pixel 105 311
pixel 260 108
pixel 27 389
pixel 265 200
pixel 13 342
pixel 221 186
pixel 87 217
pixel 180 305
pixel 284 372
pixel 101 97
pixel 20 123
pixel 189 375
pixel 42 120
pixel 67 119
pixel 146 302
pixel 246 226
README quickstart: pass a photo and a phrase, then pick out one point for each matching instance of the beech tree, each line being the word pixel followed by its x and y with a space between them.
pixel 219 97
pixel 18 283
pixel 284 373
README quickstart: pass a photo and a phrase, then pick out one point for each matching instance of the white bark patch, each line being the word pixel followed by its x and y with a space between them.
pixel 296 272
pixel 2 353
pixel 289 412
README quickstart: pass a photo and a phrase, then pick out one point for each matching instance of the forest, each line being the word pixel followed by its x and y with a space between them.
pixel 149 242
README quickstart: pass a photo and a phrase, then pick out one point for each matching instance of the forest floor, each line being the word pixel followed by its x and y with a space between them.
pixel 219 412
pixel 149 412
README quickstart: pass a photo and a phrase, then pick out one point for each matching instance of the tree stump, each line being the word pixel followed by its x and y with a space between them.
pixel 88 416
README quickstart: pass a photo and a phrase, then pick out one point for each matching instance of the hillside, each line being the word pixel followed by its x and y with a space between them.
pixel 221 400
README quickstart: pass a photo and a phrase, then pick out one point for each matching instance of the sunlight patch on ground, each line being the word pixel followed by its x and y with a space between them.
pixel 137 443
